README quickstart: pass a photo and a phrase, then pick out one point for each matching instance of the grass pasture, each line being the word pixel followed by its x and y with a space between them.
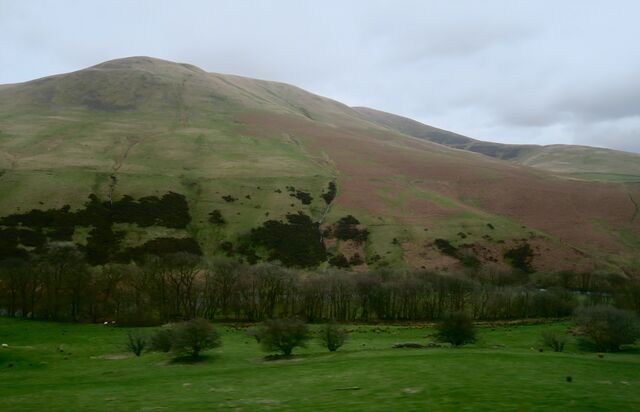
pixel 67 367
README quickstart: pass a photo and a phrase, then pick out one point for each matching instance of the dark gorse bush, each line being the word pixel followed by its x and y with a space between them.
pixel 194 336
pixel 333 336
pixel 188 338
pixel 553 340
pixel 457 329
pixel 162 340
pixel 283 335
pixel 136 343
pixel 608 328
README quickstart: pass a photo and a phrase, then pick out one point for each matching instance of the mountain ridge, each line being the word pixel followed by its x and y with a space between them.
pixel 560 158
pixel 258 151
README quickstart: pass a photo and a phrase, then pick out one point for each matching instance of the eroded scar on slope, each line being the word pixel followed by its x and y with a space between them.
pixel 131 143
pixel 636 210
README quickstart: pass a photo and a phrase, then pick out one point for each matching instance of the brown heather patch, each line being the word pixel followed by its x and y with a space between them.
pixel 367 160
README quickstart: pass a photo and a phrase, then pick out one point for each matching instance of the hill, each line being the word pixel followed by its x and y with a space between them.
pixel 218 164
pixel 582 162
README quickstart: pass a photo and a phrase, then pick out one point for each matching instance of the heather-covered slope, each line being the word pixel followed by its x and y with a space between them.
pixel 258 151
pixel 583 162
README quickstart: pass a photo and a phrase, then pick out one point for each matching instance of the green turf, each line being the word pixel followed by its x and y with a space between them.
pixel 503 371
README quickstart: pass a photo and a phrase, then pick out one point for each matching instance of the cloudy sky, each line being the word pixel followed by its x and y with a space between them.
pixel 511 71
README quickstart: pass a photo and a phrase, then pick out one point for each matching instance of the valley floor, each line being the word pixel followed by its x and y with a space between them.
pixel 67 367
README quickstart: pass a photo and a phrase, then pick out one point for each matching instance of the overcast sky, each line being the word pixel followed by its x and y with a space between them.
pixel 509 71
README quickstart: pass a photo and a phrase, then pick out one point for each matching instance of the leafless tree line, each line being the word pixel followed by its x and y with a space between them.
pixel 61 286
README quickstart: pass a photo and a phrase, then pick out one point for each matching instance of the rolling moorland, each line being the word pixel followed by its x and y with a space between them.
pixel 85 156
pixel 581 162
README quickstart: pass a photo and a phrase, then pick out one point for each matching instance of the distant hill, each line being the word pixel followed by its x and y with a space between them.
pixel 580 161
pixel 180 159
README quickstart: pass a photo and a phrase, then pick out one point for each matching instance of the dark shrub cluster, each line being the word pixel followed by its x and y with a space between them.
pixel 36 228
pixel 39 219
pixel 304 197
pixel 30 238
pixel 162 340
pixel 215 217
pixel 55 224
pixel 553 340
pixel 356 260
pixel 171 210
pixel 347 229
pixel 164 246
pixel 446 247
pixel 330 194
pixel 189 338
pixel 608 328
pixel 103 244
pixel 136 343
pixel 295 242
pixel 10 247
pixel 339 261
pixel 457 329
pixel 333 336
pixel 283 335
pixel 520 258
pixel 464 255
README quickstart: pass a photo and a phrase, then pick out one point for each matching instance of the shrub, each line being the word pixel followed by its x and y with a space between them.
pixel 255 333
pixel 607 327
pixel 294 243
pixel 331 193
pixel 339 261
pixel 186 338
pixel 446 247
pixel 347 229
pixel 216 218
pixel 194 336
pixel 457 328
pixel 161 246
pixel 162 340
pixel 136 342
pixel 333 336
pixel 304 197
pixel 282 335
pixel 553 340
pixel 356 260
pixel 520 258
pixel 102 244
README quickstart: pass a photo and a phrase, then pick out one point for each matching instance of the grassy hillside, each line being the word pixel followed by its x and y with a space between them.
pixel 256 151
pixel 69 367
pixel 583 162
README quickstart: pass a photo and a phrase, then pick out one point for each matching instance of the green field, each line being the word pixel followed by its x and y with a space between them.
pixel 66 367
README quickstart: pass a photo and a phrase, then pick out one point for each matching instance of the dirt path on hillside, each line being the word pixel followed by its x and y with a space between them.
pixel 113 181
pixel 328 208
pixel 131 143
pixel 637 210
